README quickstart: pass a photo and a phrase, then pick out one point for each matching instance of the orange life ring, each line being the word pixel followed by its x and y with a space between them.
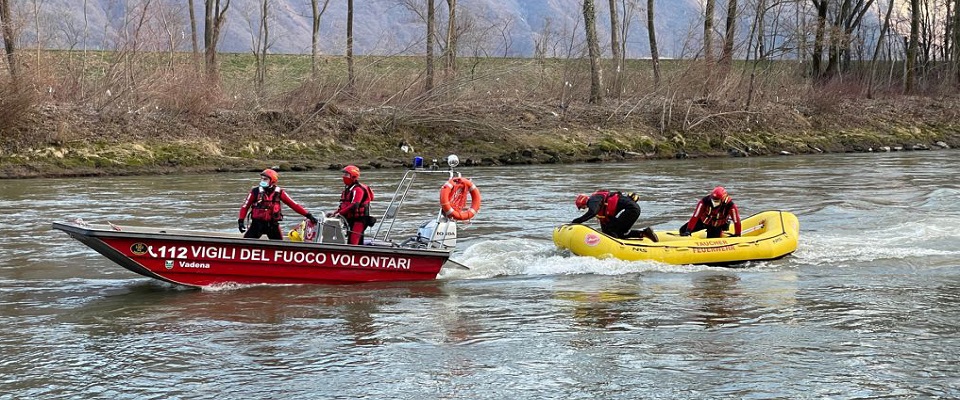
pixel 453 199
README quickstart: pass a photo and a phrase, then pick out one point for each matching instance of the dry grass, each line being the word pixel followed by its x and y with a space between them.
pixel 692 96
pixel 16 103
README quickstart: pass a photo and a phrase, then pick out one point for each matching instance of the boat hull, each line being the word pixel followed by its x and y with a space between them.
pixel 769 235
pixel 201 259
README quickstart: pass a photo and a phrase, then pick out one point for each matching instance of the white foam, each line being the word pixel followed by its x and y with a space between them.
pixel 538 257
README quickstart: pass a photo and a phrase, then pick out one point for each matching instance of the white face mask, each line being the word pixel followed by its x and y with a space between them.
pixel 714 201
pixel 264 183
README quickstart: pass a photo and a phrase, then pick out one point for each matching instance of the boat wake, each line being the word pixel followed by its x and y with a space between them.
pixel 906 241
pixel 533 257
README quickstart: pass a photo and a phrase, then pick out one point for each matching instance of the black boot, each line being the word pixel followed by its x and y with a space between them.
pixel 650 234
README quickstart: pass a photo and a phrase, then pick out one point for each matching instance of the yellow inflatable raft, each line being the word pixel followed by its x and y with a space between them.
pixel 768 235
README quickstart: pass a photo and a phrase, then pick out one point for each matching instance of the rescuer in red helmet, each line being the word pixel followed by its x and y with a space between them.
pixel 616 211
pixel 263 202
pixel 714 213
pixel 355 205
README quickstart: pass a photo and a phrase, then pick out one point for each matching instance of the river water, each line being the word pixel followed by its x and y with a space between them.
pixel 868 306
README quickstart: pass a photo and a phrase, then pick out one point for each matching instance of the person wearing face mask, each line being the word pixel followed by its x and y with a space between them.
pixel 263 202
pixel 355 205
pixel 714 213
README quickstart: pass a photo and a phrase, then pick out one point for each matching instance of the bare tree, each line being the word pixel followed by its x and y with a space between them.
pixel 193 30
pixel 911 67
pixel 9 38
pixel 956 40
pixel 726 58
pixel 847 19
pixel 817 56
pixel 260 47
pixel 315 33
pixel 351 78
pixel 615 48
pixel 593 50
pixel 450 57
pixel 39 32
pixel 876 51
pixel 709 6
pixel 170 19
pixel 652 34
pixel 216 17
pixel 758 29
pixel 431 22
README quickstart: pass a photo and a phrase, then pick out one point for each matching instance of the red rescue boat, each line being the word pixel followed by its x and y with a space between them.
pixel 199 259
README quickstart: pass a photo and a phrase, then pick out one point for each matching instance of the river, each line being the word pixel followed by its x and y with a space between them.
pixel 867 307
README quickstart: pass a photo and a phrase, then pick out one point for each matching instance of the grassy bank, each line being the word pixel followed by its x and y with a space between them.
pixel 493 111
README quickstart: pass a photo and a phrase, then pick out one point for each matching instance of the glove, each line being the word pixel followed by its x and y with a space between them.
pixel 312 218
pixel 684 233
pixel 734 235
pixel 331 214
pixel 241 226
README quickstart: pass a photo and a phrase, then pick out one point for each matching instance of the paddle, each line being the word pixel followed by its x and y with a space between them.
pixel 753 228
pixel 748 230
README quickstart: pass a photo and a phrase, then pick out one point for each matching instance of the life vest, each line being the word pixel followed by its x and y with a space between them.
pixel 608 207
pixel 267 205
pixel 714 216
pixel 361 210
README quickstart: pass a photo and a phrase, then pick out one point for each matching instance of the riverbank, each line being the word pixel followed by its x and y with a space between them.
pixel 60 141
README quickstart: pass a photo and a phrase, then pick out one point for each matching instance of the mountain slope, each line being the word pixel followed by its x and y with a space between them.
pixel 491 27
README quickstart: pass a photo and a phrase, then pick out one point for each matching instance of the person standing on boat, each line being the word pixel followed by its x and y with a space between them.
pixel 714 213
pixel 355 205
pixel 263 202
pixel 616 211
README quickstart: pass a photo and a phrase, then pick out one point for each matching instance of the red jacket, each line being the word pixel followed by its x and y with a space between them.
pixel 355 201
pixel 715 216
pixel 265 204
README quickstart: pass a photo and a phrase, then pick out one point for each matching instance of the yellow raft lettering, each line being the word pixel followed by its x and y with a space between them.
pixel 712 249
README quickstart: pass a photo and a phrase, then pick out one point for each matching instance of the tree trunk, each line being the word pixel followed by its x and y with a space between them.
pixel 911 68
pixel 351 79
pixel 615 48
pixel 193 30
pixel 315 34
pixel 817 57
pixel 9 39
pixel 726 58
pixel 956 40
pixel 759 25
pixel 431 21
pixel 450 61
pixel 708 30
pixel 876 50
pixel 261 76
pixel 213 23
pixel 593 50
pixel 654 53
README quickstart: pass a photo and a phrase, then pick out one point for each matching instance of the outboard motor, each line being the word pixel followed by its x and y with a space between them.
pixel 436 234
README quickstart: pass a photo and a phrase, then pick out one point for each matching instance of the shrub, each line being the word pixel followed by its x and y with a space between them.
pixel 16 104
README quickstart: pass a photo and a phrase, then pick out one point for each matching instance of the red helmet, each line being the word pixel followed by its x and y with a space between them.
pixel 581 201
pixel 352 170
pixel 270 174
pixel 719 195
pixel 350 174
